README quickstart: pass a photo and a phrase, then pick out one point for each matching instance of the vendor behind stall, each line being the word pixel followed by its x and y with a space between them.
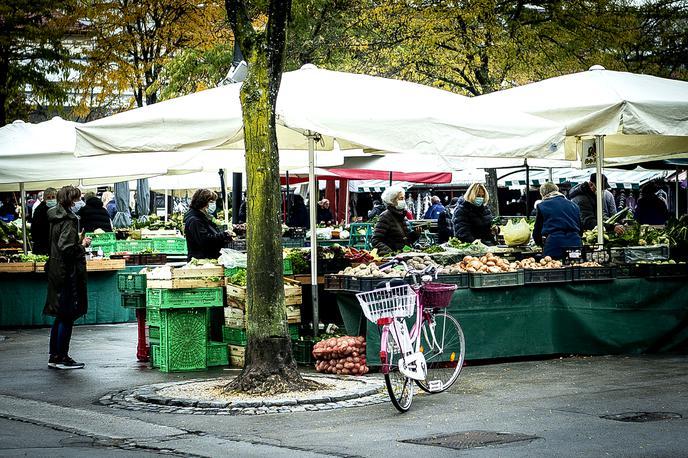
pixel 472 217
pixel 203 238
pixel 558 220
pixel 40 227
pixel 392 232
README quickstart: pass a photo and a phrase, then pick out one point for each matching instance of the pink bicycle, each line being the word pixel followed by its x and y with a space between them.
pixel 431 353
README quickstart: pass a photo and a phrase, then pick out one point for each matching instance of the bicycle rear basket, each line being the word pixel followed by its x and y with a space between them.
pixel 388 302
pixel 436 295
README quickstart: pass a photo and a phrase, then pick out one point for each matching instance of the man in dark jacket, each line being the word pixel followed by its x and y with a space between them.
pixel 558 220
pixel 93 215
pixel 435 209
pixel 583 195
pixel 378 208
pixel 298 213
pixel 40 227
pixel 472 217
pixel 651 208
pixel 391 231
pixel 445 221
pixel 203 239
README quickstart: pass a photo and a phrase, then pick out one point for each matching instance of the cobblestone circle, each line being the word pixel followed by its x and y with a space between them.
pixel 147 398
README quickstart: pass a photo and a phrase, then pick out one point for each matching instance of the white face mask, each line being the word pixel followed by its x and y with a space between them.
pixel 51 202
pixel 78 205
pixel 479 201
pixel 212 206
pixel 401 204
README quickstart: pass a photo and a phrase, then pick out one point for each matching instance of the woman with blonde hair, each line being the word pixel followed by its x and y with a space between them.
pixel 472 217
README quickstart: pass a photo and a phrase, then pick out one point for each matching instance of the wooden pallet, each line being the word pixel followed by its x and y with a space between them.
pixel 293 315
pixel 17 267
pixel 236 295
pixel 99 265
pixel 199 273
pixel 179 283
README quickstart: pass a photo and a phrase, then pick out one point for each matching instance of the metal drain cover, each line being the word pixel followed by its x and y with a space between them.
pixel 642 417
pixel 471 439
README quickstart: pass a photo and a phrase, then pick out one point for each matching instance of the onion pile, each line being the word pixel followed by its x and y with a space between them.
pixel 545 263
pixel 489 264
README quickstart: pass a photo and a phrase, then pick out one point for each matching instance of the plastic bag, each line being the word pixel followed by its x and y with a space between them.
pixel 516 233
pixel 232 258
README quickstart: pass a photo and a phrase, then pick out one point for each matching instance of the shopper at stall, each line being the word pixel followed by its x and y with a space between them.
pixel 435 209
pixel 584 195
pixel 392 232
pixel 557 222
pixel 472 217
pixel 93 215
pixel 203 238
pixel 378 208
pixel 8 210
pixel 67 298
pixel 445 222
pixel 298 213
pixel 40 227
pixel 109 203
pixel 324 212
pixel 650 208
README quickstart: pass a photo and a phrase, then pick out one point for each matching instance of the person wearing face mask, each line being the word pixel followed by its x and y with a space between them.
pixel 392 231
pixel 67 298
pixel 40 227
pixel 203 238
pixel 472 217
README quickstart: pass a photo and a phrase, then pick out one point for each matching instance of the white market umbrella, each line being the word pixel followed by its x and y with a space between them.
pixel 632 117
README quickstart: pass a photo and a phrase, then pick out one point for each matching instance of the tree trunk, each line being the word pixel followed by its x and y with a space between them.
pixel 491 186
pixel 269 363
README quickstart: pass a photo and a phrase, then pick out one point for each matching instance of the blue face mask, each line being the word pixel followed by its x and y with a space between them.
pixel 212 206
pixel 479 201
pixel 78 205
pixel 51 202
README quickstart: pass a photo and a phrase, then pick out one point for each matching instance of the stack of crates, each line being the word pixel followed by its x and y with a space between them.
pixel 104 240
pixel 178 322
pixel 132 287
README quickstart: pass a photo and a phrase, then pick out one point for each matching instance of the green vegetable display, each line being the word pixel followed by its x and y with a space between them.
pixel 239 278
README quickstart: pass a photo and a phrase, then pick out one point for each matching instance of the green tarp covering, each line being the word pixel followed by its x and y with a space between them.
pixel 22 297
pixel 624 316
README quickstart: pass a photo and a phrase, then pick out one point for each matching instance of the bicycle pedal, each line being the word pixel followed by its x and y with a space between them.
pixel 435 385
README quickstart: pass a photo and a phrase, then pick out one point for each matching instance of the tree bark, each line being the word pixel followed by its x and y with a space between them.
pixel 269 363
pixel 491 186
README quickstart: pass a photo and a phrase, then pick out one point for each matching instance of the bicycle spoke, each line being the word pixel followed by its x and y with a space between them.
pixel 444 349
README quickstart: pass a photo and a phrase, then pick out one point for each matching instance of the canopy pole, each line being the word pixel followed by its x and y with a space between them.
pixel 551 180
pixel 288 205
pixel 22 198
pixel 676 193
pixel 390 177
pixel 525 162
pixel 312 202
pixel 166 205
pixel 225 201
pixel 237 188
pixel 599 195
pixel 346 211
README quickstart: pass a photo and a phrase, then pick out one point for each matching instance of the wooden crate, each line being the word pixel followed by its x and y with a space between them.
pixel 152 234
pixel 17 267
pixel 40 266
pixel 234 317
pixel 199 273
pixel 293 315
pixel 237 356
pixel 96 265
pixel 236 295
pixel 178 283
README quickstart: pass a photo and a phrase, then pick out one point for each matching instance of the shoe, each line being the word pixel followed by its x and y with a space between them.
pixel 69 363
pixel 52 362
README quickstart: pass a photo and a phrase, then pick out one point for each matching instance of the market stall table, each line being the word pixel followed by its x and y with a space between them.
pixel 621 316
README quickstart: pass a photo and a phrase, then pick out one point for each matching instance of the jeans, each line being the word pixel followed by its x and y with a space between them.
pixel 60 335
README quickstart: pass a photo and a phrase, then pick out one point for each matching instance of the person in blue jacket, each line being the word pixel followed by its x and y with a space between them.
pixel 557 219
pixel 435 209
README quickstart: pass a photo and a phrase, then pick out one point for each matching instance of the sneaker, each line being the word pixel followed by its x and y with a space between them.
pixel 52 362
pixel 69 363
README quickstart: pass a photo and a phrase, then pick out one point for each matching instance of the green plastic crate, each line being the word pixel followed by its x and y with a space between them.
pixel 293 331
pixel 103 236
pixel 171 245
pixel 133 246
pixel 154 334
pixel 183 339
pixel 234 336
pixel 108 246
pixel 133 301
pixel 502 279
pixel 152 317
pixel 302 351
pixel 155 355
pixel 218 354
pixel 288 270
pixel 131 283
pixel 184 298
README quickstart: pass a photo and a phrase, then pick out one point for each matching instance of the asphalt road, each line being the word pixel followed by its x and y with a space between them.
pixel 557 404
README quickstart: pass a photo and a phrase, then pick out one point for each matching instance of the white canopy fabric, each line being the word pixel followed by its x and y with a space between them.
pixel 358 111
pixel 642 117
pixel 621 179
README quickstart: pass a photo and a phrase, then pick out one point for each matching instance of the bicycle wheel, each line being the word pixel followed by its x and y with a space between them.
pixel 444 353
pixel 399 387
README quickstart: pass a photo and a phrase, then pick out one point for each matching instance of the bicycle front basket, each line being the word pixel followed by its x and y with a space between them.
pixel 388 302
pixel 436 295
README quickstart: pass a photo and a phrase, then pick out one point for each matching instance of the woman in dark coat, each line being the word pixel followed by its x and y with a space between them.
pixel 67 296
pixel 558 220
pixel 324 215
pixel 203 239
pixel 650 208
pixel 298 213
pixel 472 217
pixel 392 230
pixel 94 215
